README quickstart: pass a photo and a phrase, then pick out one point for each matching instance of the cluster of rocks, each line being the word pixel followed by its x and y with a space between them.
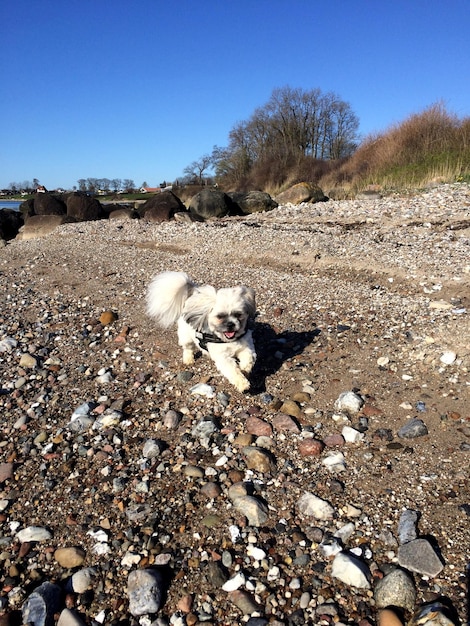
pixel 45 212
pixel 134 490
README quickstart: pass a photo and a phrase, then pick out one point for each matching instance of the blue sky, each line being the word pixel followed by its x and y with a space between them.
pixel 139 89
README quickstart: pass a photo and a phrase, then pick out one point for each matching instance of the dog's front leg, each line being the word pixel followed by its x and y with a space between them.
pixel 186 341
pixel 229 368
pixel 246 359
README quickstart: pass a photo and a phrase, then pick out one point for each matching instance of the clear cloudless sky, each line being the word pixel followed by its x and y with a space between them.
pixel 139 89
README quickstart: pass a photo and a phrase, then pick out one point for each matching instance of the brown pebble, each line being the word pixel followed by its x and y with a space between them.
pixel 291 408
pixel 259 459
pixel 301 396
pixel 6 471
pixel 284 422
pixel 369 411
pixel 211 490
pixel 185 603
pixel 24 549
pixel 331 441
pixel 235 476
pixel 311 447
pixel 258 427
pixel 107 317
pixel 244 439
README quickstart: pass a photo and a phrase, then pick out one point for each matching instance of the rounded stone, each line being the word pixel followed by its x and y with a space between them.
pixel 448 357
pixel 83 579
pixel 301 396
pixel 28 361
pixel 395 589
pixel 258 427
pixel 310 447
pixel 413 428
pixel 211 490
pixel 69 557
pixel 285 423
pixel 349 402
pixel 291 408
pixel 145 591
pixel 254 510
pixel 333 440
pixel 107 317
pixel 311 505
pixel 259 460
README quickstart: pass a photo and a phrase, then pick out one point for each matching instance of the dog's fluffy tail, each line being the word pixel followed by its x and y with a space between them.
pixel 166 296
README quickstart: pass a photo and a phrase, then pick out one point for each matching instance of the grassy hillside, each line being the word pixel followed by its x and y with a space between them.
pixel 432 146
pixel 428 147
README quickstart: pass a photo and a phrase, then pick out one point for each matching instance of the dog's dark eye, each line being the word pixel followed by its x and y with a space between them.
pixel 238 314
pixel 221 316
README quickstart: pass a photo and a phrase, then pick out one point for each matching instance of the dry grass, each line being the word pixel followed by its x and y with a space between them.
pixel 430 146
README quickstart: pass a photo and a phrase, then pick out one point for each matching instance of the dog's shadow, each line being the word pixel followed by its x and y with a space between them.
pixel 273 349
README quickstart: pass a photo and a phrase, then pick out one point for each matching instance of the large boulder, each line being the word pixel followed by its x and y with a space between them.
pixel 210 203
pixel 41 225
pixel 253 201
pixel 302 192
pixel 27 208
pixel 10 223
pixel 83 208
pixel 47 204
pixel 161 207
pixel 123 213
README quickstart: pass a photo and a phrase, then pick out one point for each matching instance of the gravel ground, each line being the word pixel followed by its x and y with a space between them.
pixel 106 449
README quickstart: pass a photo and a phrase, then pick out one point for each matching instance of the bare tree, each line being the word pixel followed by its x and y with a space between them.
pixel 197 168
pixel 128 185
pixel 293 125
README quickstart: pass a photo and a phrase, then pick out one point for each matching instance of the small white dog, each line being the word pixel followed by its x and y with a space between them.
pixel 215 322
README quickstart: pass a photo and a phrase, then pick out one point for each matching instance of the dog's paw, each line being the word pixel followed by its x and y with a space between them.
pixel 188 357
pixel 246 361
pixel 241 383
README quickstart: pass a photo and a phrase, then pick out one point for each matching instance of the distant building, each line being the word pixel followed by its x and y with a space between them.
pixel 41 189
pixel 149 189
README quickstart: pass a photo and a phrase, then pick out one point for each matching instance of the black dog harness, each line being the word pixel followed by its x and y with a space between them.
pixel 205 338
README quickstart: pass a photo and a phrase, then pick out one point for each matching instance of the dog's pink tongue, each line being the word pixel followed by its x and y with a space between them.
pixel 230 334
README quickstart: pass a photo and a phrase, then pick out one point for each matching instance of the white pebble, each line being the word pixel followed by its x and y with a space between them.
pixel 351 435
pixel 311 505
pixel 351 571
pixel 33 533
pixel 256 553
pixel 335 462
pixel 202 389
pixel 273 573
pixel 235 582
pixel 448 357
pixel 349 402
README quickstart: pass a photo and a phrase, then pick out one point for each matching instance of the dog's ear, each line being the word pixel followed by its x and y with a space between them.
pixel 248 295
pixel 198 306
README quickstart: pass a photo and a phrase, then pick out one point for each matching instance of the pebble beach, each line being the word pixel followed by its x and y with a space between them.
pixel 136 490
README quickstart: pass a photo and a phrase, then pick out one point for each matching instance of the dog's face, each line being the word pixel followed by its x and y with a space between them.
pixel 232 309
pixel 224 313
